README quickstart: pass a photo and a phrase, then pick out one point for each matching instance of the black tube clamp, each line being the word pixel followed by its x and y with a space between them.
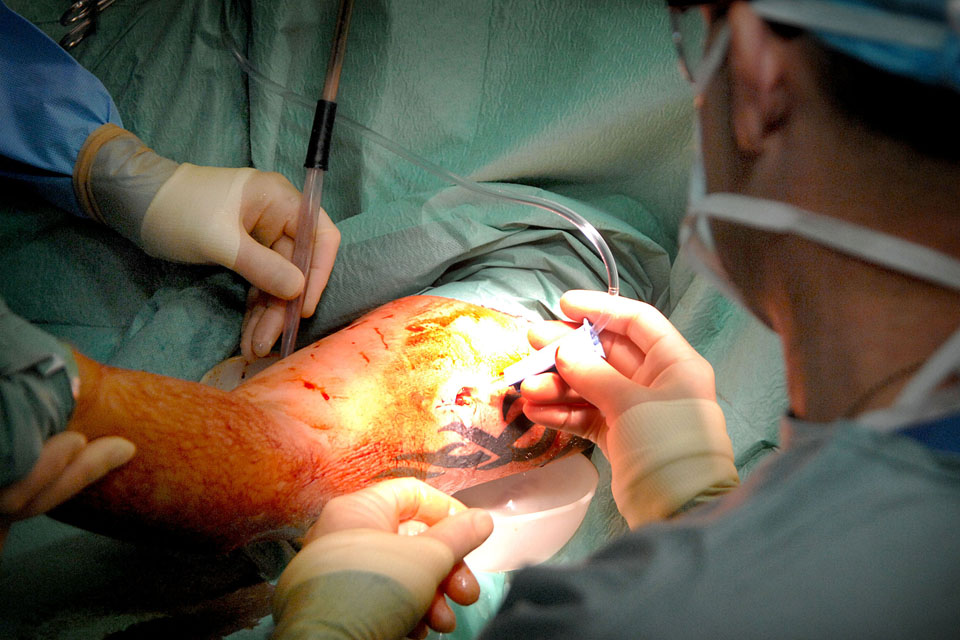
pixel 318 150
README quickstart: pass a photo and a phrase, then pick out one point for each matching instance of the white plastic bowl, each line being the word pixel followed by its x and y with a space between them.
pixel 534 513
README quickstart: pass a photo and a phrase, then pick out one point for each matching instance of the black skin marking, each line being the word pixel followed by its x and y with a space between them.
pixel 503 447
pixel 443 459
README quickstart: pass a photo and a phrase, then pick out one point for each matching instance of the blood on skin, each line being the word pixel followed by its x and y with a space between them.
pixel 313 387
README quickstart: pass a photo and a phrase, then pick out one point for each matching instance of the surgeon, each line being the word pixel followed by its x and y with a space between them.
pixel 62 138
pixel 826 201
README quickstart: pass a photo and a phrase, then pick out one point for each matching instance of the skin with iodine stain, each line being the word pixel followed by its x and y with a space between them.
pixel 403 391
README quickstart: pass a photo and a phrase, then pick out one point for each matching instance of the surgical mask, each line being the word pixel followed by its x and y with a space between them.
pixel 919 398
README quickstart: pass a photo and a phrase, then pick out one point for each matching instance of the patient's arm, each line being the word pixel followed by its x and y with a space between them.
pixel 393 394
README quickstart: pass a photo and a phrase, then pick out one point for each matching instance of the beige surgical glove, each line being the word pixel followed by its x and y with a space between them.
pixel 242 219
pixel 356 577
pixel 650 406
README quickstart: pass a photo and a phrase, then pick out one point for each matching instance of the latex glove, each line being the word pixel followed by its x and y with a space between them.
pixel 67 464
pixel 242 219
pixel 650 406
pixel 356 577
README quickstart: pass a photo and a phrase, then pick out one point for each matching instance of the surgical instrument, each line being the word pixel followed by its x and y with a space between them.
pixel 317 162
pixel 83 17
pixel 545 359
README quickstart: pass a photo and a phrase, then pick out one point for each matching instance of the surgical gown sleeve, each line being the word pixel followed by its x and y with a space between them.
pixel 846 533
pixel 37 373
pixel 49 104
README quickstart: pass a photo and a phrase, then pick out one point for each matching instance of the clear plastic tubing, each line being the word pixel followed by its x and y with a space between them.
pixel 588 230
pixel 316 163
pixel 302 254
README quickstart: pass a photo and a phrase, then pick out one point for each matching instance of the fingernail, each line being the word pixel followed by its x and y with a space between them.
pixel 461 581
pixel 122 452
pixel 482 521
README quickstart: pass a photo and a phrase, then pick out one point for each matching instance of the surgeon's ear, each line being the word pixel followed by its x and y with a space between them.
pixel 759 66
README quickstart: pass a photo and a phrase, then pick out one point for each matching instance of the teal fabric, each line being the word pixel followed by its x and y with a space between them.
pixel 580 101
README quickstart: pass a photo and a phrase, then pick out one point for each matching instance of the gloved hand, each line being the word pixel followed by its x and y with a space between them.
pixel 242 219
pixel 67 464
pixel 650 406
pixel 356 577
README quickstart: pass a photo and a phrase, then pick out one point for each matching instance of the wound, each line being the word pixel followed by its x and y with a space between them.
pixel 465 396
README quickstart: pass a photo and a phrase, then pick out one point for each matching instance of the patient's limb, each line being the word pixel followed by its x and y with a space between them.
pixel 394 394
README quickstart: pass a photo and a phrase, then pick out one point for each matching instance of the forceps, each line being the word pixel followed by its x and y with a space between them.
pixel 84 17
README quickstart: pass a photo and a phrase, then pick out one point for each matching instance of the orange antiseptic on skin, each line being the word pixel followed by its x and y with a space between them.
pixel 403 391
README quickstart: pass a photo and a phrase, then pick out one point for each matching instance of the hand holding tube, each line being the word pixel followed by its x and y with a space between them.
pixel 242 219
pixel 356 577
pixel 650 406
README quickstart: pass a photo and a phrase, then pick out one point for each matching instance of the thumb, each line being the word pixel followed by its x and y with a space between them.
pixel 267 270
pixel 597 381
pixel 462 532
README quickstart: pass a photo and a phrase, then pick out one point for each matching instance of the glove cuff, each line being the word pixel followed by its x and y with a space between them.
pixel 347 605
pixel 116 177
pixel 663 455
pixel 417 563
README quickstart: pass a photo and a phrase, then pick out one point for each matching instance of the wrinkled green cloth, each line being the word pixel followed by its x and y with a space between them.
pixel 579 101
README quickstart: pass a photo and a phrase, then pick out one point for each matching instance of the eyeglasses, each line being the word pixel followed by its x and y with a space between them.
pixel 690 23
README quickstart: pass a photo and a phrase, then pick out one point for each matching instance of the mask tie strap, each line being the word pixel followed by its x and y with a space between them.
pixel 945 360
pixel 867 244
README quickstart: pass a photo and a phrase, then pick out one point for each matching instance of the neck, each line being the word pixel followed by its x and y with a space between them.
pixel 854 334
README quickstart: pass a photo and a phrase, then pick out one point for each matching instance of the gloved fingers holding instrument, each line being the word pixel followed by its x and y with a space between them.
pixel 357 574
pixel 650 406
pixel 272 220
pixel 646 359
pixel 242 219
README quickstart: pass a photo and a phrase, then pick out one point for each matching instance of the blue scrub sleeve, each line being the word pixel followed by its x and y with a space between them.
pixel 36 398
pixel 49 104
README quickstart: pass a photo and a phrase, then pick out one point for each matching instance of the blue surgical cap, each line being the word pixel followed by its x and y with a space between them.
pixel 919 39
